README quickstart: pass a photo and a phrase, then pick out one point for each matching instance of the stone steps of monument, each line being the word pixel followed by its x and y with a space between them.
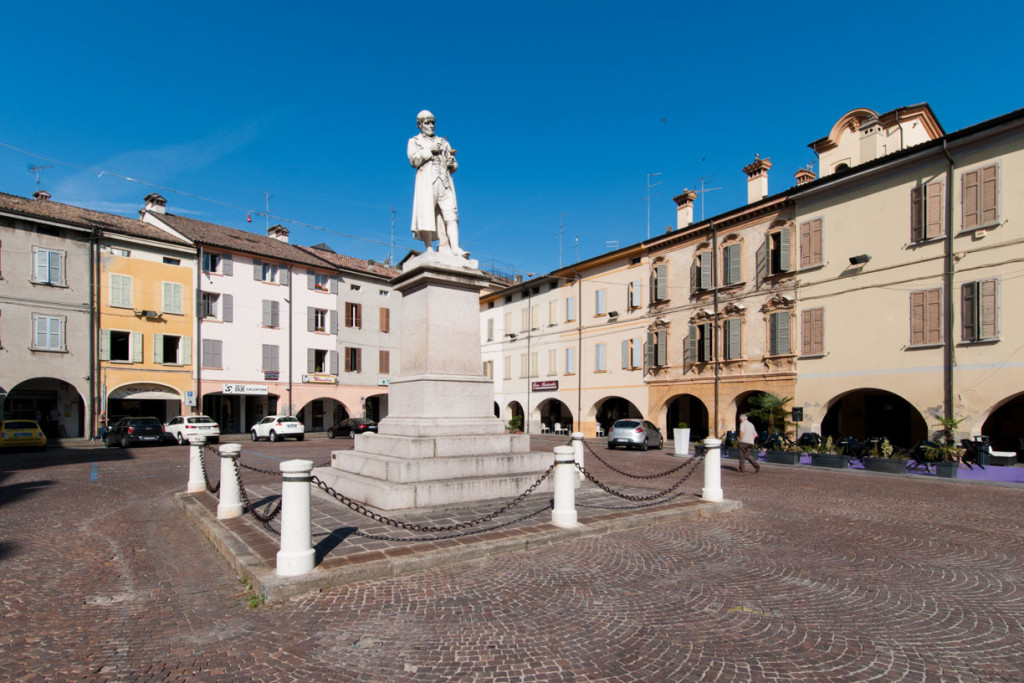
pixel 405 470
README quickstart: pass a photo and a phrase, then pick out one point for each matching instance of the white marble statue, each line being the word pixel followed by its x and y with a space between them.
pixel 435 215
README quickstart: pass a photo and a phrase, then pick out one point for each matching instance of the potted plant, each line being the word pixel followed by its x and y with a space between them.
pixel 883 458
pixel 786 457
pixel 681 436
pixel 515 425
pixel 828 456
pixel 944 453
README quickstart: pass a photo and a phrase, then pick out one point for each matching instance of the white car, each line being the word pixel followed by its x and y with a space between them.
pixel 276 427
pixel 183 427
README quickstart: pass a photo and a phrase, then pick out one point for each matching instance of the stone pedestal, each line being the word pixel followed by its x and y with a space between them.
pixel 440 444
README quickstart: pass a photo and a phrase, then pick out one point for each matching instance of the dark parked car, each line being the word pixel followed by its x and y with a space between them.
pixel 131 431
pixel 351 427
pixel 635 434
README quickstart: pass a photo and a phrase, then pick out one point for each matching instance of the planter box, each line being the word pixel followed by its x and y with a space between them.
pixel 681 437
pixel 830 460
pixel 731 453
pixel 890 465
pixel 946 469
pixel 782 458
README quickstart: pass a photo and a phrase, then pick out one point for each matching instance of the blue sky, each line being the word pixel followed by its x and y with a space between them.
pixel 554 107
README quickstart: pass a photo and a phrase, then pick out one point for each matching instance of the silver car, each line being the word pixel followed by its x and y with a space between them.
pixel 635 433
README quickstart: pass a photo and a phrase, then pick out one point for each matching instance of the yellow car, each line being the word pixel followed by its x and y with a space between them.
pixel 21 435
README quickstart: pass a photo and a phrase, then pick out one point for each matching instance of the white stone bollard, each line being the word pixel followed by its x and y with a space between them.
pixel 564 512
pixel 577 443
pixel 712 471
pixel 196 480
pixel 230 504
pixel 296 555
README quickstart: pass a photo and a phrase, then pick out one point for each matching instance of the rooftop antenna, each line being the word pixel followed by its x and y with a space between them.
pixel 36 170
pixel 649 186
pixel 701 192
pixel 611 244
pixel 267 214
pixel 391 244
pixel 577 248
pixel 561 227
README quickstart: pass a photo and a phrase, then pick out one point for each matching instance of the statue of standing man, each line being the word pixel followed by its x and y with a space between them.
pixel 435 215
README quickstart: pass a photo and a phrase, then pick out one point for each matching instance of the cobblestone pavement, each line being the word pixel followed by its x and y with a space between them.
pixel 823 575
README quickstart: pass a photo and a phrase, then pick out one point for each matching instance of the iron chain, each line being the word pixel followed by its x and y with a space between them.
pixel 249 507
pixel 639 499
pixel 202 460
pixel 377 517
pixel 636 476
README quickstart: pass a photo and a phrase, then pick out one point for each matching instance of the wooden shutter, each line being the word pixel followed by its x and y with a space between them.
pixel 810 243
pixel 56 268
pixel 690 347
pixel 334 322
pixel 217 351
pixel 257 270
pixel 969 198
pixel 104 344
pixel 706 271
pixel 662 345
pixel 988 309
pixel 732 273
pixel 709 337
pixel 42 265
pixel 934 210
pixel 227 302
pixel 310 279
pixel 332 361
pixel 284 270
pixel 311 361
pixel 780 334
pixel 384 362
pixel 785 247
pixel 625 354
pixel 226 264
pixel 635 294
pixel 185 350
pixel 916 214
pixel 275 314
pixel 651 351
pixel 637 360
pixel 933 319
pixel 136 347
pixel 733 338
pixel 812 331
pixel 989 194
pixel 265 361
pixel 158 348
pixel 310 319
pixel 969 311
pixel 357 312
pixel 333 284
pixel 385 322
pixel 267 313
pixel 661 286
pixel 917 318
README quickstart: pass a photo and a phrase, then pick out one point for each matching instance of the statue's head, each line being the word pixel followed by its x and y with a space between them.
pixel 425 122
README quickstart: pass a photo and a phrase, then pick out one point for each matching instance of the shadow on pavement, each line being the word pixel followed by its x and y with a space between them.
pixel 12 492
pixel 331 541
pixel 10 462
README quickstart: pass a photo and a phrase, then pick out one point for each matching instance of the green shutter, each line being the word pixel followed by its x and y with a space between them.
pixel 662 347
pixel 185 350
pixel 104 344
pixel 650 352
pixel 709 337
pixel 136 347
pixel 707 271
pixel 662 284
pixel 158 348
pixel 785 239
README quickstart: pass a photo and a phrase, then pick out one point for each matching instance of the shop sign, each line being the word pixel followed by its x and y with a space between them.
pixel 271 375
pixel 383 382
pixel 247 389
pixel 319 378
pixel 546 385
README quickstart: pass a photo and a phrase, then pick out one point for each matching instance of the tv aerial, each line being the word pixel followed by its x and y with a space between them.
pixel 37 169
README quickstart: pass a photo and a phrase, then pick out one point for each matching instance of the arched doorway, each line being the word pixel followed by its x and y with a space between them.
pixel 743 407
pixel 376 407
pixel 551 412
pixel 866 413
pixel 691 410
pixel 236 413
pixel 613 408
pixel 144 399
pixel 55 404
pixel 512 411
pixel 318 414
pixel 1004 426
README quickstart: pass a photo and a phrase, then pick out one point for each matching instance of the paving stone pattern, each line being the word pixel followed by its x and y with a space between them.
pixel 823 575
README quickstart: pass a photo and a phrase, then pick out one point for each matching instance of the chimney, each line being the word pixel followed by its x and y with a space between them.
pixel 757 179
pixel 804 176
pixel 871 140
pixel 278 232
pixel 155 203
pixel 684 208
pixel 41 195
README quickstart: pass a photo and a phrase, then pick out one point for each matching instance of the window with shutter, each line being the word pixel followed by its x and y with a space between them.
pixel 490 329
pixel 385 322
pixel 778 252
pixel 120 290
pixel 570 361
pixel 810 243
pixel 812 332
pixel 600 307
pixel 174 293
pixel 661 342
pixel 733 328
pixel 926 317
pixel 638 352
pixel 384 362
pixel 570 309
pixel 48 333
pixel 779 333
pixel 660 289
pixel 980 197
pixel 600 364
pixel 979 310
pixel 635 294
pixel 732 272
pixel 927 211
pixel 48 266
pixel 705 276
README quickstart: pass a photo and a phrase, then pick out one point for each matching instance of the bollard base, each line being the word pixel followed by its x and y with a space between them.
pixel 712 495
pixel 198 487
pixel 229 511
pixel 565 520
pixel 295 563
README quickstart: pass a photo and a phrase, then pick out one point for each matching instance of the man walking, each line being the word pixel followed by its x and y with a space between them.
pixel 748 434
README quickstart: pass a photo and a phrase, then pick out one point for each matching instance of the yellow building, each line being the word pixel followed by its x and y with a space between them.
pixel 145 324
